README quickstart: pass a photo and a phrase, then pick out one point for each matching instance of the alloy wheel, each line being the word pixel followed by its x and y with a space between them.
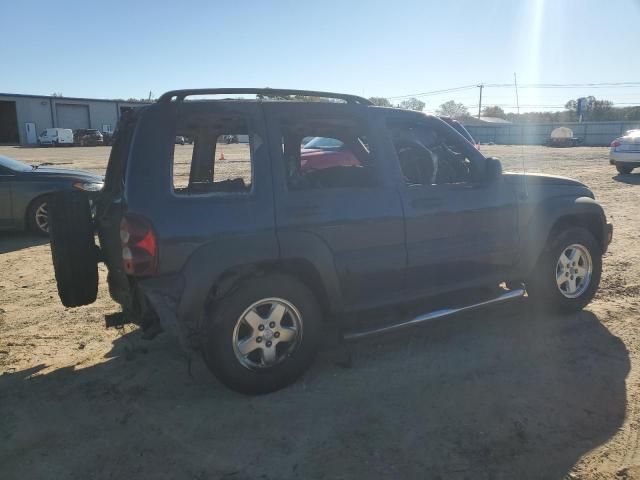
pixel 267 333
pixel 573 271
pixel 42 217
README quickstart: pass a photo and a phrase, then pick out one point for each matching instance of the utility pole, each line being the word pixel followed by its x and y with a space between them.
pixel 481 86
pixel 515 82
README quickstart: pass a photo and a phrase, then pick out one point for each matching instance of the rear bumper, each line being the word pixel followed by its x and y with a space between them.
pixel 625 158
pixel 163 295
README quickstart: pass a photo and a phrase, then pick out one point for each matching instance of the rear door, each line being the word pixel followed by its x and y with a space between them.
pixel 334 201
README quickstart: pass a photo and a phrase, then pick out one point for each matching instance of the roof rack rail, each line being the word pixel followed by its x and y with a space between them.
pixel 180 95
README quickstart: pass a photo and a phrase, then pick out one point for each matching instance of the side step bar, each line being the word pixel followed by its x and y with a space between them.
pixel 426 317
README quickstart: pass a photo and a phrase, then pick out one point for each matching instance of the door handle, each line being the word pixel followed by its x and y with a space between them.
pixel 426 203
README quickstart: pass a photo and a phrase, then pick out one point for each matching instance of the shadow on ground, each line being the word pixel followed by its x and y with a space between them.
pixel 505 393
pixel 630 179
pixel 12 241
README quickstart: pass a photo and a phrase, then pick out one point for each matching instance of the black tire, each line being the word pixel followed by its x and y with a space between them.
pixel 218 340
pixel 73 248
pixel 623 169
pixel 542 287
pixel 35 224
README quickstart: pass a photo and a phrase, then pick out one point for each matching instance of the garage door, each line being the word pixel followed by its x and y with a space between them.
pixel 72 116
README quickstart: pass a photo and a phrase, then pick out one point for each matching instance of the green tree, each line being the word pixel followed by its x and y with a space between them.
pixel 412 104
pixel 453 109
pixel 380 101
pixel 493 111
pixel 630 113
pixel 595 110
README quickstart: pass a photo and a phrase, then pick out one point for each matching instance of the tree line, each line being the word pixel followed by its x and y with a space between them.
pixel 595 110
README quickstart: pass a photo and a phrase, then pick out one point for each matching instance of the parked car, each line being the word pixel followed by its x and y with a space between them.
pixel 228 139
pixel 322 152
pixel 180 140
pixel 56 137
pixel 25 191
pixel 624 152
pixel 247 266
pixel 86 137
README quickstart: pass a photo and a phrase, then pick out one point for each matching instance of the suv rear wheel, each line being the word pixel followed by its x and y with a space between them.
pixel 623 169
pixel 263 335
pixel 568 273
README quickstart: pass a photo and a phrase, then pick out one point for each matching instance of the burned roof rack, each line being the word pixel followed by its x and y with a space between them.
pixel 180 95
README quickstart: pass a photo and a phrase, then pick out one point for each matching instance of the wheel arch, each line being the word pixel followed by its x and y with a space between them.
pixel 557 214
pixel 590 221
pixel 207 275
pixel 300 269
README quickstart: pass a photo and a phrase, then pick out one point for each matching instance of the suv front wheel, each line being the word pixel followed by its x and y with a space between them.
pixel 263 335
pixel 567 275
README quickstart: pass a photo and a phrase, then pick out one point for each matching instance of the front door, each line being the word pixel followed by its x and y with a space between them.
pixel 334 200
pixel 461 229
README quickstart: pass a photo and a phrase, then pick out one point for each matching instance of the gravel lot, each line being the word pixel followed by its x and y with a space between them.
pixel 503 393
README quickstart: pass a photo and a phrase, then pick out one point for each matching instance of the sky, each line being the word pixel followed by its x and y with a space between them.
pixel 123 49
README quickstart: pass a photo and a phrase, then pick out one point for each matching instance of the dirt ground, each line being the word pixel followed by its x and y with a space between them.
pixel 502 393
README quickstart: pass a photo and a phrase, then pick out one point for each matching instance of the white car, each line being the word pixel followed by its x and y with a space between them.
pixel 625 152
pixel 56 136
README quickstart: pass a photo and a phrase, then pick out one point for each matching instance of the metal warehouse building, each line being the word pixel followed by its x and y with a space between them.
pixel 24 117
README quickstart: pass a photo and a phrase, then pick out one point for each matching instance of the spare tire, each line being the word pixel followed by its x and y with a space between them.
pixel 73 248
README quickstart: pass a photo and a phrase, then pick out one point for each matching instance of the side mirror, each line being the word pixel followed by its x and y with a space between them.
pixel 493 170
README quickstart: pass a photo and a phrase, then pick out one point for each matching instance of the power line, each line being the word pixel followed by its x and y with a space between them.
pixel 509 106
pixel 632 104
pixel 524 85
pixel 434 92
pixel 568 85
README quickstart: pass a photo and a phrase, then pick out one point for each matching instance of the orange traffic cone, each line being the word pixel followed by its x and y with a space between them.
pixel 221 156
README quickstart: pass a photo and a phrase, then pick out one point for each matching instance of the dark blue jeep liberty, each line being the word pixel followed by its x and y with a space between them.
pixel 324 205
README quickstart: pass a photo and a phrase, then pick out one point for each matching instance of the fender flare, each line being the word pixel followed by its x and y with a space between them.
pixel 546 218
pixel 245 255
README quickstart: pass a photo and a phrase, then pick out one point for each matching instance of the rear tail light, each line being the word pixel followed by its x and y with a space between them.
pixel 139 246
pixel 615 144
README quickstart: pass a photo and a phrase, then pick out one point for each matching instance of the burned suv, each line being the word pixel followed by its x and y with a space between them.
pixel 334 206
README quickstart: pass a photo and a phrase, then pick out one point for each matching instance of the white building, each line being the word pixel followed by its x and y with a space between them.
pixel 23 117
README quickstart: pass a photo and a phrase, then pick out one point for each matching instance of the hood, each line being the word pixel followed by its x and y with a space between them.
pixel 80 175
pixel 542 179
